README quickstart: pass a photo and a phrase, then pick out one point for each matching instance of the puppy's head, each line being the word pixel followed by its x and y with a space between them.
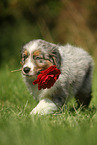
pixel 38 55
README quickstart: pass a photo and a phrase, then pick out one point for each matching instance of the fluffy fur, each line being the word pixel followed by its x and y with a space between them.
pixel 76 67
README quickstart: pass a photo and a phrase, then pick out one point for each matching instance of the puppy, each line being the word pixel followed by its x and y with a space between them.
pixel 75 79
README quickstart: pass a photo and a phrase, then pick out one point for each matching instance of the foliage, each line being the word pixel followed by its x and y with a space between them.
pixel 55 21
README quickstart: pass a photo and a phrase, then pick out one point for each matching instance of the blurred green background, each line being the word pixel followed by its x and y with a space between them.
pixel 57 21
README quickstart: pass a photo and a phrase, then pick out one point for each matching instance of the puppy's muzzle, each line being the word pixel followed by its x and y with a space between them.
pixel 26 70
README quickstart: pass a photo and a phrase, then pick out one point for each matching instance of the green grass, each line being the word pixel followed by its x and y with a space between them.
pixel 17 127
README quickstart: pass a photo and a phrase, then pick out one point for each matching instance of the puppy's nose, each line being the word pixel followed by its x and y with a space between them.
pixel 26 69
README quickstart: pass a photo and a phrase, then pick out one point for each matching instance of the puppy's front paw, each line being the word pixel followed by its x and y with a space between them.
pixel 34 111
pixel 44 107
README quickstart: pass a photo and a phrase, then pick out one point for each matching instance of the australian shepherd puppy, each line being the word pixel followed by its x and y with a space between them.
pixel 75 65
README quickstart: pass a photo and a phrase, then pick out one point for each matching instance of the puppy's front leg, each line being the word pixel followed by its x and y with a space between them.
pixel 45 106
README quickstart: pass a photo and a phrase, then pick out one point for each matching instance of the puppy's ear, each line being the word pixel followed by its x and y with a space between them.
pixel 55 56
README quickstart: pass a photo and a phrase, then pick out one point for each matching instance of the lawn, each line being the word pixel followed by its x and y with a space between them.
pixel 17 127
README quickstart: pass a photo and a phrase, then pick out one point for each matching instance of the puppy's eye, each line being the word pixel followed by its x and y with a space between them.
pixel 37 58
pixel 25 56
pixel 42 61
